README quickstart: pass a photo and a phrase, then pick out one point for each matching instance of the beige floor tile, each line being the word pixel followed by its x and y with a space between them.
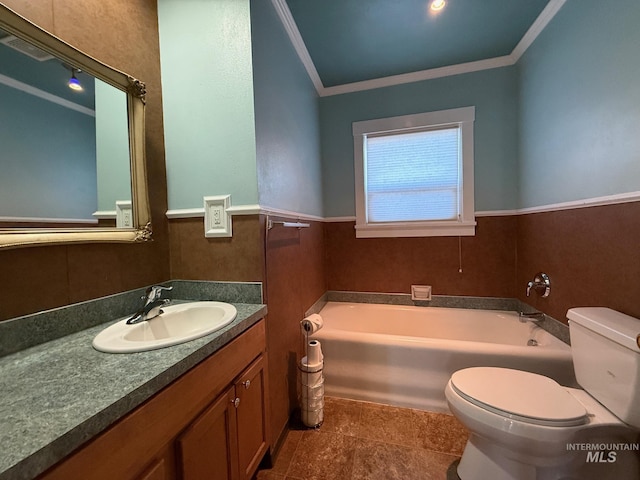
pixel 341 416
pixel 323 456
pixel 382 461
pixel 440 432
pixel 388 424
pixel 367 441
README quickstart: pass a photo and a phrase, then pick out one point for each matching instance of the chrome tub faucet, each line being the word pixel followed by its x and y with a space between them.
pixel 152 306
pixel 541 284
pixel 530 316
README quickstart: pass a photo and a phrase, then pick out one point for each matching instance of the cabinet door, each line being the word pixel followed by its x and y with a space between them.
pixel 207 448
pixel 157 471
pixel 251 416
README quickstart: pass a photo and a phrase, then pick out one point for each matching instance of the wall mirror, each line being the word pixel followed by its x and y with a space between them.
pixel 72 160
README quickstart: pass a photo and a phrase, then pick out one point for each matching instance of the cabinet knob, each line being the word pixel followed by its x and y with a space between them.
pixel 246 383
pixel 236 402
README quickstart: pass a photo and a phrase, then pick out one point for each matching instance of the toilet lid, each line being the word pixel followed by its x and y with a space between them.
pixel 524 396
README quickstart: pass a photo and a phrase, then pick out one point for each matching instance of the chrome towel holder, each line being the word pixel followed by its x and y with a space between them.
pixel 298 225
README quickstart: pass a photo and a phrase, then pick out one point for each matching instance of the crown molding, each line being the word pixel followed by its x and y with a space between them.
pixel 411 77
pixel 536 28
pixel 528 38
pixel 282 9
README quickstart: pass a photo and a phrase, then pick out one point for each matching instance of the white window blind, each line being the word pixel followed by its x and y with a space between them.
pixel 413 176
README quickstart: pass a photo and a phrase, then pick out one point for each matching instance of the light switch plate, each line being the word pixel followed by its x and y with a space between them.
pixel 217 221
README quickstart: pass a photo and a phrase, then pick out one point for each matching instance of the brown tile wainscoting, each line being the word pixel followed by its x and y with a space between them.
pixel 392 265
pixel 592 256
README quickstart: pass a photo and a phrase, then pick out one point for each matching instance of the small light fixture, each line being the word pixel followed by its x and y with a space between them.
pixel 74 83
pixel 437 5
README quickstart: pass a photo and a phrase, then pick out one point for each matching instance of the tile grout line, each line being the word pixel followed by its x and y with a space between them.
pixel 295 450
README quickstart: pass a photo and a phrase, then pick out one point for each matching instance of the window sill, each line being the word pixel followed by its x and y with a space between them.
pixel 416 229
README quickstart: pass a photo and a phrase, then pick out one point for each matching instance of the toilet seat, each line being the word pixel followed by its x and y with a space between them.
pixel 518 395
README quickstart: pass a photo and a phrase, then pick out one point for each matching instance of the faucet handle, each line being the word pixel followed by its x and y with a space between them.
pixel 154 292
pixel 540 284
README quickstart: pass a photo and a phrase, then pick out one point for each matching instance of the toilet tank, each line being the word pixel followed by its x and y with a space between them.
pixel 606 359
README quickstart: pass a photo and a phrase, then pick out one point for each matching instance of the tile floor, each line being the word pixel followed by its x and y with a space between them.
pixel 367 441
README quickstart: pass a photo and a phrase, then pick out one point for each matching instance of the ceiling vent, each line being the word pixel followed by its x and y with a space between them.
pixel 26 48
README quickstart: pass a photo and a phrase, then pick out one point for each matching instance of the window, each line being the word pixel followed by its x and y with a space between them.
pixel 414 175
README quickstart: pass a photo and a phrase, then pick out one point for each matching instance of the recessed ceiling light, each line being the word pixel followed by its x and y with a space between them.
pixel 437 5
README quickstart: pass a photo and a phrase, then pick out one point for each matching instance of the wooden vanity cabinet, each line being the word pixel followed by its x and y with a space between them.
pixel 206 448
pixel 251 415
pixel 210 423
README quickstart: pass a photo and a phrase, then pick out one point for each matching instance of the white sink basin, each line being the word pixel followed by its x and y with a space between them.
pixel 178 324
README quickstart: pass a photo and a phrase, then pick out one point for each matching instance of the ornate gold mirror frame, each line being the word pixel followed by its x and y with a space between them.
pixel 135 91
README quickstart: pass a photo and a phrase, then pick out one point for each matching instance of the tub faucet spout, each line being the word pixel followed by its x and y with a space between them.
pixel 531 316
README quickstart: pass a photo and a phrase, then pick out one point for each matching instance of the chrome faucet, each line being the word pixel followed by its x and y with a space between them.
pixel 531 316
pixel 152 304
pixel 540 284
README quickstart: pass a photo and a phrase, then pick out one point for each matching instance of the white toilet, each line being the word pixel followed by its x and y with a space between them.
pixel 525 426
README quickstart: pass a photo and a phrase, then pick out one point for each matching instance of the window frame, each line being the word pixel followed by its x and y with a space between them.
pixel 462 118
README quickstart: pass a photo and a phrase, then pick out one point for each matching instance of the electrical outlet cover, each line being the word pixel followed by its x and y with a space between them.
pixel 217 221
pixel 124 214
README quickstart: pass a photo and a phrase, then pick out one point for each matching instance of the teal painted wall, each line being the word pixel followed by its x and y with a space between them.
pixel 207 94
pixel 47 158
pixel 494 94
pixel 112 146
pixel 580 105
pixel 287 119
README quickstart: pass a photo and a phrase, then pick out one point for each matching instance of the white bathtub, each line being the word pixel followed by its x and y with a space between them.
pixel 404 356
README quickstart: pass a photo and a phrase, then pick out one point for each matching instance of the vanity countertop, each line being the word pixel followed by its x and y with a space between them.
pixel 58 395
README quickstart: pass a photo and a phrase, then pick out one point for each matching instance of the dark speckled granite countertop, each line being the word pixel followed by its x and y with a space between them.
pixel 57 395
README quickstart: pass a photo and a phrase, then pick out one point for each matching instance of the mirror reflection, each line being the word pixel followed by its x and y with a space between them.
pixel 65 143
